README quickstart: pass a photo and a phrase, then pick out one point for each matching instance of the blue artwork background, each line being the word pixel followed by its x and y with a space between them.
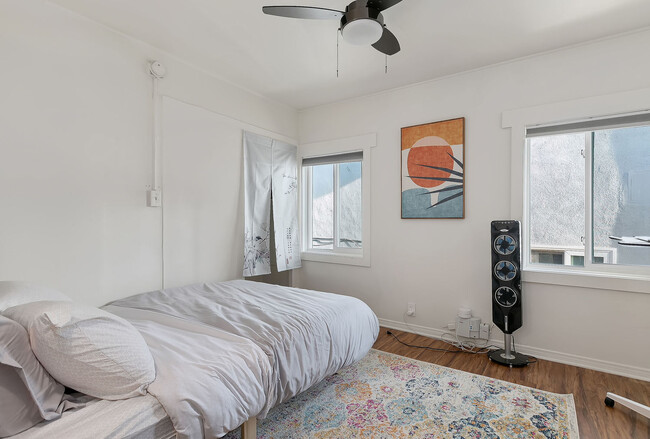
pixel 416 203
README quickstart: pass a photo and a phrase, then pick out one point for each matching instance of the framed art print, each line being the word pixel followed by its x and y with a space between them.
pixel 433 176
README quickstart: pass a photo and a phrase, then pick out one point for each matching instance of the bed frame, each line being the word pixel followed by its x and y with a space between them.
pixel 249 429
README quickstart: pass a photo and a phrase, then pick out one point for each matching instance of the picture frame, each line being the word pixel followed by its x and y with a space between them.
pixel 432 170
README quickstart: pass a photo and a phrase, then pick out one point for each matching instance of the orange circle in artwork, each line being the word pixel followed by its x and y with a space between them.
pixel 431 151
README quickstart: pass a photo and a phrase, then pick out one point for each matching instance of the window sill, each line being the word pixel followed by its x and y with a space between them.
pixel 596 280
pixel 336 258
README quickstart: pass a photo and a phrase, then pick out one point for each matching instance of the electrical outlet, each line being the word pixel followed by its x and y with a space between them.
pixel 154 198
pixel 411 309
pixel 451 326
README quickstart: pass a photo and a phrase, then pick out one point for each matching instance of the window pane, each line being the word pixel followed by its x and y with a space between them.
pixel 557 197
pixel 350 205
pixel 542 257
pixel 577 260
pixel 323 206
pixel 621 193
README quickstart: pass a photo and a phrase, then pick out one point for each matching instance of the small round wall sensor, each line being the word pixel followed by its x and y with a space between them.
pixel 157 70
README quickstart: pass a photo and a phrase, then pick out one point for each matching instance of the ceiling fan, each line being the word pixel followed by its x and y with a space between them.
pixel 361 23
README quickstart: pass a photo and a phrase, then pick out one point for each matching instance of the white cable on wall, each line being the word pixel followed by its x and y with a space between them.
pixel 154 195
pixel 157 72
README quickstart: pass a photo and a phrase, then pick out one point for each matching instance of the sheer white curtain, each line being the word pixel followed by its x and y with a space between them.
pixel 270 166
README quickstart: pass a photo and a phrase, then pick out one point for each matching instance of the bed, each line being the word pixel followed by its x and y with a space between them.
pixel 225 354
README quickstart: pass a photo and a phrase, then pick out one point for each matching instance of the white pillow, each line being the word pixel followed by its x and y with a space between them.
pixel 28 393
pixel 14 293
pixel 87 349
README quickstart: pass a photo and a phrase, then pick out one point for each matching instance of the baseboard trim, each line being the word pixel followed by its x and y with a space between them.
pixel 635 372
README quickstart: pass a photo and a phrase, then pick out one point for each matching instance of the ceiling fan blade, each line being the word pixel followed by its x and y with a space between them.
pixel 308 12
pixel 382 5
pixel 388 43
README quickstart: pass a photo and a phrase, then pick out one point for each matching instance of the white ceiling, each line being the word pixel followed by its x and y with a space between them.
pixel 294 61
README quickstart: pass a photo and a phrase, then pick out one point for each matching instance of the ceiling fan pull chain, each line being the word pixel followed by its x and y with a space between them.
pixel 386 64
pixel 337 52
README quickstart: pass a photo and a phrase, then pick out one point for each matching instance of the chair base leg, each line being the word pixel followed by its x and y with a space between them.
pixel 632 405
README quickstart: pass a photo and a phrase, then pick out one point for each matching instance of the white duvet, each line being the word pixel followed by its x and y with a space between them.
pixel 226 352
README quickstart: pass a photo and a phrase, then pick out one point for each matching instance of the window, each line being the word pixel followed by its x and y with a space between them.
pixel 589 182
pixel 335 200
pixel 333 203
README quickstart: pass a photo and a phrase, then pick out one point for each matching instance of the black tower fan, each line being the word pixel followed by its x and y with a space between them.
pixel 506 288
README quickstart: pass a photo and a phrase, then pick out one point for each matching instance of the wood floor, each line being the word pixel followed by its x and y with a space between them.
pixel 588 387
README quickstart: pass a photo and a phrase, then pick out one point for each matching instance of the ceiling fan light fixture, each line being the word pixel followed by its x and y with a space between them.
pixel 362 32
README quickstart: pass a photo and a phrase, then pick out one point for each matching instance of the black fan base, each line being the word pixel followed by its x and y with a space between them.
pixel 517 360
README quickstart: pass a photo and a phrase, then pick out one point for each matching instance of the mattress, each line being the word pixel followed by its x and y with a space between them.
pixel 136 418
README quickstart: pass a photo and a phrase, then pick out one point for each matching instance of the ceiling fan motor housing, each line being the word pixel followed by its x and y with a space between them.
pixel 364 23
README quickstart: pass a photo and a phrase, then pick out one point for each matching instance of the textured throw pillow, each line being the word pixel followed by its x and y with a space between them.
pixel 87 349
pixel 27 392
pixel 14 293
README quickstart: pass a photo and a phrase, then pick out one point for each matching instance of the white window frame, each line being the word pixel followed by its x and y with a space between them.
pixel 307 178
pixel 337 255
pixel 598 276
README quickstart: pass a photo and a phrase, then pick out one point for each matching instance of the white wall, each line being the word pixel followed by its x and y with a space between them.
pixel 444 264
pixel 76 156
pixel 204 204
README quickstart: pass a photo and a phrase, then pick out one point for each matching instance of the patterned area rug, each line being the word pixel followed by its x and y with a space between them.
pixel 389 396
